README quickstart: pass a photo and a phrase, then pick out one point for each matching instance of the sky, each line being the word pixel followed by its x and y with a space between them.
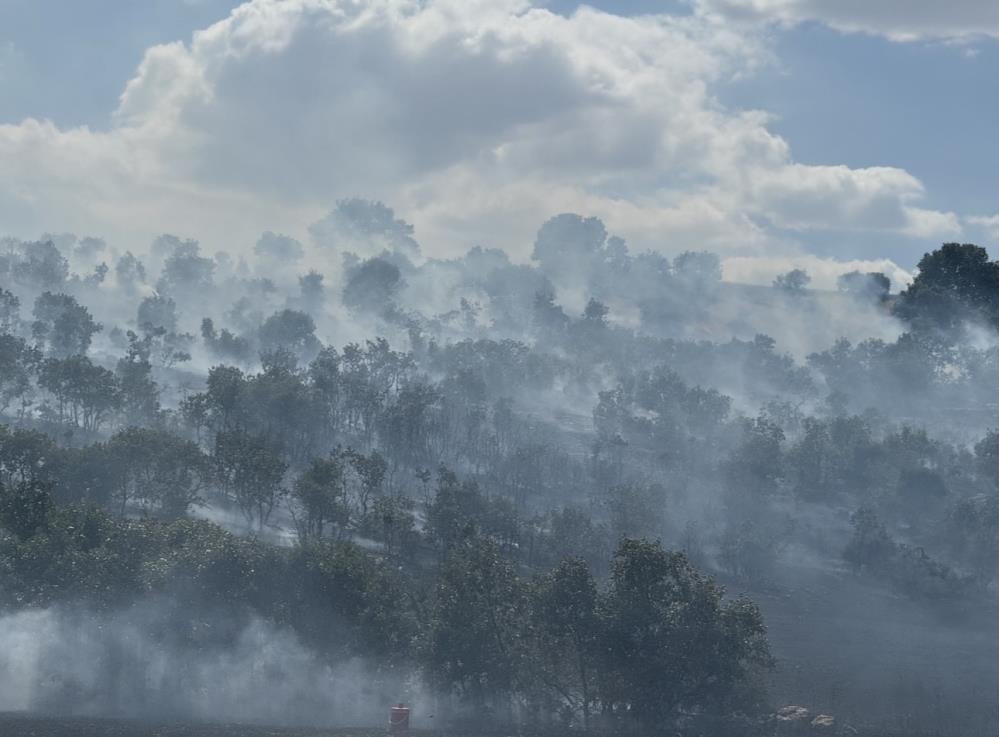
pixel 813 132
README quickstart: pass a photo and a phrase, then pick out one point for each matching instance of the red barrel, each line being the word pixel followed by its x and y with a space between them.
pixel 399 719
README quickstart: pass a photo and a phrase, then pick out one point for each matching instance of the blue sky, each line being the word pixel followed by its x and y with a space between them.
pixel 838 91
pixel 863 101
pixel 860 100
pixel 69 60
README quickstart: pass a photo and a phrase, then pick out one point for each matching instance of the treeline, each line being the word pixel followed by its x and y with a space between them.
pixel 499 442
pixel 352 436
pixel 656 643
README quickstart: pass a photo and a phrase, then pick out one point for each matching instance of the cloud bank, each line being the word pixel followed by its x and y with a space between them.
pixel 898 20
pixel 475 119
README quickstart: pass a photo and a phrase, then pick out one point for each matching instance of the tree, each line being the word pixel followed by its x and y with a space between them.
pixel 870 545
pixel 672 645
pixel 973 527
pixel 921 487
pixel 956 282
pixel 755 466
pixel 160 471
pixel 10 311
pixel 451 514
pixel 186 274
pixel 321 497
pixel 130 273
pixel 250 470
pixel 96 277
pixel 277 250
pixel 370 471
pixel 365 225
pixel 18 362
pixel 157 312
pixel 473 644
pixel 699 271
pixel 347 603
pixel 393 523
pixel 635 509
pixel 85 394
pixel 566 623
pixel 595 312
pixel 549 317
pixel 372 286
pixel 40 265
pixel 292 331
pixel 25 457
pixel 568 241
pixel 63 327
pixel 139 394
pixel 277 403
pixel 25 508
pixel 908 568
pixel 460 512
pixel 793 281
pixel 324 380
pixel 225 398
pixel 571 533
pixel 873 285
pixel 89 250
pixel 403 425
pixel 313 292
pixel 84 475
pixel 225 344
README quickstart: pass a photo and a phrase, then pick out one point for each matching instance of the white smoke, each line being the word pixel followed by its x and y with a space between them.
pixel 133 663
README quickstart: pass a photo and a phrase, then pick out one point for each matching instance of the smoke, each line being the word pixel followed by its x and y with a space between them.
pixel 143 662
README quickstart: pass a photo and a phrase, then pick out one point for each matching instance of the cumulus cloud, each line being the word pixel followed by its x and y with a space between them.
pixel 877 198
pixel 475 119
pixel 899 20
pixel 988 223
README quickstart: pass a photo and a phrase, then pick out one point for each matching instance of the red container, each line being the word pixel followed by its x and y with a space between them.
pixel 399 719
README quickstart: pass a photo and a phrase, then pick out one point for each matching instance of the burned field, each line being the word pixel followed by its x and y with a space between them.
pixel 25 725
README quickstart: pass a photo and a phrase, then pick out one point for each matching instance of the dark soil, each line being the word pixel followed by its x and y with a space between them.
pixel 23 725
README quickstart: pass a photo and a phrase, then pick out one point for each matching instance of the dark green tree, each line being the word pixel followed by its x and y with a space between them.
pixel 672 644
pixel 140 402
pixel 956 282
pixel 62 327
pixel 156 470
pixel 250 470
pixel 320 496
pixel 372 285
pixel 10 311
pixel 85 394
pixel 25 508
pixel 565 620
pixel 474 644
pixel 18 364
pixel 292 331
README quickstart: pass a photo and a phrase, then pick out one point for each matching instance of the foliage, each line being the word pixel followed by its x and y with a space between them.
pixel 957 282
pixel 62 327
pixel 673 645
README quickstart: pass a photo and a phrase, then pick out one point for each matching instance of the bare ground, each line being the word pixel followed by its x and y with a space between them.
pixel 25 725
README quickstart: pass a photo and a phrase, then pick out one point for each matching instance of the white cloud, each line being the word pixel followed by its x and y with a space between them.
pixel 877 198
pixel 987 223
pixel 475 119
pixel 898 20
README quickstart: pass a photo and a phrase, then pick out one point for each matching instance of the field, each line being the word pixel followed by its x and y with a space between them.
pixel 19 725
